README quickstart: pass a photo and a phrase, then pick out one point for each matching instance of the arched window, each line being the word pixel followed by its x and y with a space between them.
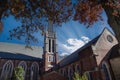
pixel 106 71
pixel 24 66
pixel 64 72
pixel 53 58
pixel 50 58
pixel 77 68
pixel 34 71
pixel 61 71
pixel 7 70
pixel 70 73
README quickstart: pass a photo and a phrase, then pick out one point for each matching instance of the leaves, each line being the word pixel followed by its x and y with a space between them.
pixel 35 15
pixel 78 77
pixel 115 5
pixel 18 73
pixel 56 10
pixel 88 12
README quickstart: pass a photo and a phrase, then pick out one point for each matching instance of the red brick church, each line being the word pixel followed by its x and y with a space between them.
pixel 98 59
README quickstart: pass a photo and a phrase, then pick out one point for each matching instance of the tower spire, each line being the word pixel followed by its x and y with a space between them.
pixel 50 53
pixel 50 26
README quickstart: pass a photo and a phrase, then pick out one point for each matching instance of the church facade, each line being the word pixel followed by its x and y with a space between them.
pixel 98 60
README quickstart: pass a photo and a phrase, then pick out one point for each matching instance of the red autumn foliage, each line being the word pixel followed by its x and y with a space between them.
pixel 88 12
pixel 115 6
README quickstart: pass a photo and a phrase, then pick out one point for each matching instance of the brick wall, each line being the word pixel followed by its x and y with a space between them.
pixel 53 76
pixel 16 62
pixel 97 75
pixel 86 62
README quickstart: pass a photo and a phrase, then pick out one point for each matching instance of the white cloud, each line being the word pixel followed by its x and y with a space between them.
pixel 64 54
pixel 85 39
pixel 74 44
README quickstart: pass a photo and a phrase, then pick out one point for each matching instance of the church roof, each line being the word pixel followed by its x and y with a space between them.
pixel 19 51
pixel 74 56
pixel 17 56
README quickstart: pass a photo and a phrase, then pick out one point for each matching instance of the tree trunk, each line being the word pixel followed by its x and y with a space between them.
pixel 3 7
pixel 113 21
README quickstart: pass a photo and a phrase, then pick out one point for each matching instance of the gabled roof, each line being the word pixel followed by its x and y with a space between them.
pixel 34 51
pixel 74 56
pixel 17 56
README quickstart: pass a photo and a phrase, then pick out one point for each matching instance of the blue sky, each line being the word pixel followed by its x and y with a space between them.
pixel 70 36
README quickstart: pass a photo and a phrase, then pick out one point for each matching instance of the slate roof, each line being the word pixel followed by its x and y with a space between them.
pixel 20 52
pixel 17 56
pixel 34 51
pixel 74 56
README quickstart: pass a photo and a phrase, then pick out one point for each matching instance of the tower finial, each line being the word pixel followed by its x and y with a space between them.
pixel 50 26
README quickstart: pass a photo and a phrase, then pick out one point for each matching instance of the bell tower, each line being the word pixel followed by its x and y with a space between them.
pixel 49 50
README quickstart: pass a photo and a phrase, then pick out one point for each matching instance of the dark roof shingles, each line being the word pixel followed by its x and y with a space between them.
pixel 18 56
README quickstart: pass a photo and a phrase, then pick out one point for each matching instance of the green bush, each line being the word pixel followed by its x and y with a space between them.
pixel 18 73
pixel 78 77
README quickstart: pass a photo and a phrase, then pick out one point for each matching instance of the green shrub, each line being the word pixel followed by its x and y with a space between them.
pixel 78 77
pixel 18 73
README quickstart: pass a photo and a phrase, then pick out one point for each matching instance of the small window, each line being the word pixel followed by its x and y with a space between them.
pixel 52 58
pixel 49 45
pixel 109 38
pixel 49 58
pixel 53 46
